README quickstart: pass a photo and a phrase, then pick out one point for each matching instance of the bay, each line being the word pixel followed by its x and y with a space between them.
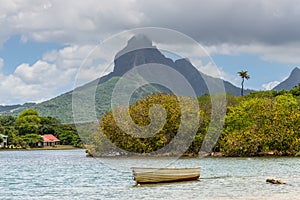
pixel 69 174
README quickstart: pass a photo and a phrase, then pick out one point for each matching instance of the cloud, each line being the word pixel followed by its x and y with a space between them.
pixel 226 27
pixel 217 72
pixel 267 28
pixel 285 53
pixel 33 83
pixel 45 78
pixel 270 85
pixel 231 21
pixel 1 63
pixel 56 72
pixel 81 22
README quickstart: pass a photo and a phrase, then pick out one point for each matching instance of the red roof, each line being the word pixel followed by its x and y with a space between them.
pixel 50 138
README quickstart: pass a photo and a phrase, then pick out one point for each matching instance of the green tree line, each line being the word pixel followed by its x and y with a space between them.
pixel 26 129
pixel 266 121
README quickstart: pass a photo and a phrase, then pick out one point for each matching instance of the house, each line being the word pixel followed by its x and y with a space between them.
pixel 50 140
pixel 4 143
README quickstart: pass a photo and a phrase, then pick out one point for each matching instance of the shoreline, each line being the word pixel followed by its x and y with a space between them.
pixel 57 147
pixel 208 155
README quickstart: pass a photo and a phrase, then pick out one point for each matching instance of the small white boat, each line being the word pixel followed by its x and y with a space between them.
pixel 162 175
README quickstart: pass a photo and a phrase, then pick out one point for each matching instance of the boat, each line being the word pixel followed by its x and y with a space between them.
pixel 162 175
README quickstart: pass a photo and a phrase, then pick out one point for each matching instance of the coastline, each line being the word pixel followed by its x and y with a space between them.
pixel 57 147
pixel 209 155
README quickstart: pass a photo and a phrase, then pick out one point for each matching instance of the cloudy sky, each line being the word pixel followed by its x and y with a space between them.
pixel 43 43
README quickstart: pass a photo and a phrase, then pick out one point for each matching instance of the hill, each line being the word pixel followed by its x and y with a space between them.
pixel 292 81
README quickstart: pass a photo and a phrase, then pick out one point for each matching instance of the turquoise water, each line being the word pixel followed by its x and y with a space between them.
pixel 68 174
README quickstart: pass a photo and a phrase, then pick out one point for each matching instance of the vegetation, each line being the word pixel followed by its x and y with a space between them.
pixel 244 75
pixel 265 121
pixel 262 125
pixel 26 129
pixel 255 124
pixel 141 116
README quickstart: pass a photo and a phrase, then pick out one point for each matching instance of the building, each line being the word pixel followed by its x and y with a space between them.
pixel 50 140
pixel 4 143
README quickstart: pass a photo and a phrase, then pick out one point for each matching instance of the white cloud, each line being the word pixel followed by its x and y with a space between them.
pixel 271 32
pixel 82 21
pixel 217 72
pixel 90 20
pixel 270 85
pixel 45 78
pixel 90 61
pixel 284 53
pixel 68 57
pixel 32 83
pixel 1 63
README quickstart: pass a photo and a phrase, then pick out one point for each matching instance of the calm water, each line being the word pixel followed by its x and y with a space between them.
pixel 69 174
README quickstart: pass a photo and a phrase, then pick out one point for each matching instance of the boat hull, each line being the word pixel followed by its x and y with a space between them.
pixel 163 175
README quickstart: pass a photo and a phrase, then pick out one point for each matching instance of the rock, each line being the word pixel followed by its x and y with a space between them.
pixel 274 181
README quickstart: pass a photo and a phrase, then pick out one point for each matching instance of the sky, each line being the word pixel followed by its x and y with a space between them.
pixel 43 43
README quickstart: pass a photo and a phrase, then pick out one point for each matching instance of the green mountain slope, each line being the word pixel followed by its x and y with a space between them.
pixel 61 107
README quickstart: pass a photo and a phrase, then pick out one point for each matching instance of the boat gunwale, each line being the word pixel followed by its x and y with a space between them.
pixel 140 174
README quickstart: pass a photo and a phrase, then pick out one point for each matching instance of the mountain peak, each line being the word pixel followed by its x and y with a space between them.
pixel 290 82
pixel 139 41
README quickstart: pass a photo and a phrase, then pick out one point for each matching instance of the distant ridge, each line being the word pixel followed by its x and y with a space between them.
pixel 292 81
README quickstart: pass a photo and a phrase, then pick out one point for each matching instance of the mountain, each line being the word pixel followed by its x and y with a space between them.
pixel 292 81
pixel 139 51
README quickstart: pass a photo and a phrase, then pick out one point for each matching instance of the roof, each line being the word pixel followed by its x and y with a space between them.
pixel 3 136
pixel 50 138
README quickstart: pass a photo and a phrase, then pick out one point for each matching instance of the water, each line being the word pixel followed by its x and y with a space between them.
pixel 68 174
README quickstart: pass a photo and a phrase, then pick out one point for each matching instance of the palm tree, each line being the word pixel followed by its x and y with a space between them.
pixel 244 75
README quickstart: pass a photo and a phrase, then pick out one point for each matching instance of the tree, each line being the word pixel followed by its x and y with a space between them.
pixel 262 124
pixel 296 90
pixel 28 122
pixel 244 75
pixel 176 108
pixel 32 140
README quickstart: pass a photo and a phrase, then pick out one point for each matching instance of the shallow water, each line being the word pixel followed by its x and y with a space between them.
pixel 68 174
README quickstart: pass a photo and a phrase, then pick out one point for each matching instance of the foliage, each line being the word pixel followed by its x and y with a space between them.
pixel 32 140
pixel 262 124
pixel 25 129
pixel 256 123
pixel 141 115
pixel 296 90
pixel 27 122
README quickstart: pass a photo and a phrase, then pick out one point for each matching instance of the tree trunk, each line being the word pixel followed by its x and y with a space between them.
pixel 242 91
